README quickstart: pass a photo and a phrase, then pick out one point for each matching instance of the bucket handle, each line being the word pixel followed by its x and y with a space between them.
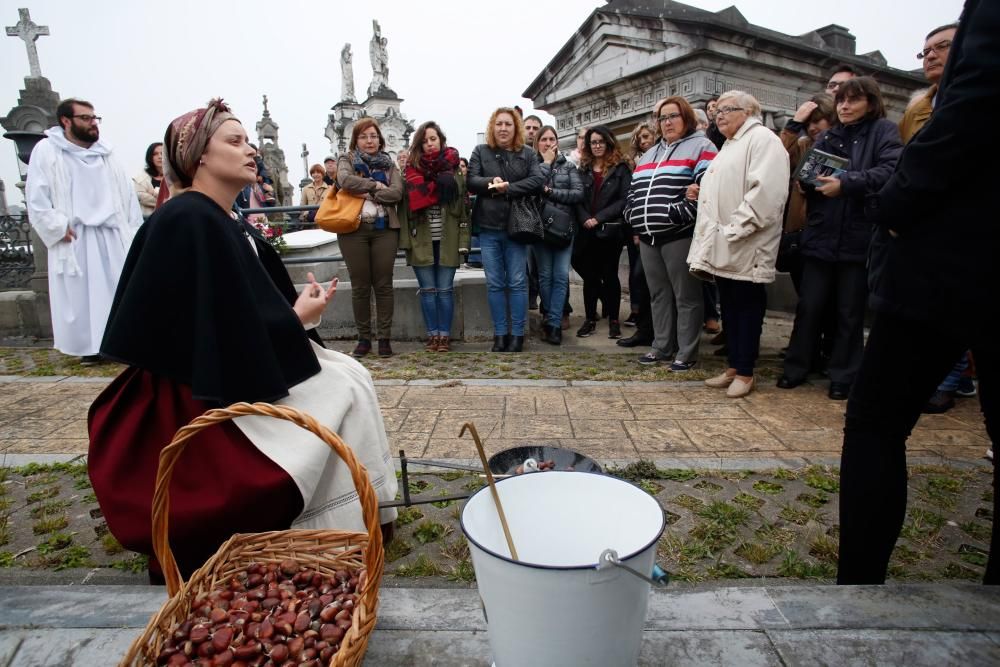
pixel 609 558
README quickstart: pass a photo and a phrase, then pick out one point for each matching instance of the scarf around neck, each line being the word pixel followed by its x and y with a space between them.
pixel 375 167
pixel 432 182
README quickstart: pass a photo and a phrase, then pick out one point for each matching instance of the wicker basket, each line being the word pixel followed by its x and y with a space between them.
pixel 323 550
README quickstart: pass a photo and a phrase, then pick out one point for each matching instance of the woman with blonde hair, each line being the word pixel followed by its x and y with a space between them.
pixel 434 228
pixel 312 194
pixel 500 171
pixel 370 251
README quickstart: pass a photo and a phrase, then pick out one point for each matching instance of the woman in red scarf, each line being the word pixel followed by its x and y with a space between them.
pixel 434 228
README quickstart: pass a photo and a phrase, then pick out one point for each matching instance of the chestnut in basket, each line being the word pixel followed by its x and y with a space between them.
pixel 268 614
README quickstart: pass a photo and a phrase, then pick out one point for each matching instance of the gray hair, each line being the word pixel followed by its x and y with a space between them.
pixel 701 117
pixel 745 100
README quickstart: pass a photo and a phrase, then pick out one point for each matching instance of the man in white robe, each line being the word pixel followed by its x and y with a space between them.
pixel 82 205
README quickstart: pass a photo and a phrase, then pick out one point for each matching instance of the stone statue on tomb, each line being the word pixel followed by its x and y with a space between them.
pixel 379 53
pixel 347 75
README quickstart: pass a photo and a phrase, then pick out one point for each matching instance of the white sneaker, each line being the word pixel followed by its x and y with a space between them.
pixel 989 453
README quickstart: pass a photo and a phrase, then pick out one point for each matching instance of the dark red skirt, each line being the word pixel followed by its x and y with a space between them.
pixel 222 484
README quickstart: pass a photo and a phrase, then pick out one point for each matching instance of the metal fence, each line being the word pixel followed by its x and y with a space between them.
pixel 17 262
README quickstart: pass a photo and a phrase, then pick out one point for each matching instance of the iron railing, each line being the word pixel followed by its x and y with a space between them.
pixel 17 261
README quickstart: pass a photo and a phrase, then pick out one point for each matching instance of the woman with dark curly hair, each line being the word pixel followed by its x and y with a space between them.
pixel 434 228
pixel 605 174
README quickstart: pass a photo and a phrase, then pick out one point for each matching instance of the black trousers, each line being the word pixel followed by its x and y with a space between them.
pixel 846 284
pixel 639 292
pixel 744 304
pixel 903 364
pixel 596 261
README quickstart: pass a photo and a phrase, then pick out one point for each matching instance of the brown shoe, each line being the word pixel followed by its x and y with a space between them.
pixel 444 344
pixel 432 343
pixel 364 347
pixel 565 322
pixel 384 349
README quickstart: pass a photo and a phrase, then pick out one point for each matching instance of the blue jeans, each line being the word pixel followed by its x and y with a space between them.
pixel 553 279
pixel 437 296
pixel 505 263
pixel 951 382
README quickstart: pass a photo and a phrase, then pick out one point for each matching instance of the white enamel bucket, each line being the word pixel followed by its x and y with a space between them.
pixel 554 606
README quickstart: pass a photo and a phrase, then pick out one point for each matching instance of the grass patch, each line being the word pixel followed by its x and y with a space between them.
pixel 678 474
pixel 757 553
pixel 728 571
pixel 451 476
pixel 456 550
pixel 73 557
pixel 708 487
pixel 50 525
pixel 649 486
pixel 973 555
pixel 785 474
pixel 41 480
pixel 441 504
pixel 814 500
pixel 721 525
pixel 688 502
pixel 136 564
pixel 421 567
pixel 474 484
pixel 397 549
pixel 904 555
pixel 55 543
pixel 634 472
pixel 942 491
pixel 32 469
pixel 956 571
pixel 430 531
pixel 90 498
pixel 418 485
pixel 111 545
pixel 775 533
pixel 793 565
pixel 921 523
pixel 408 515
pixel 752 503
pixel 42 494
pixel 769 488
pixel 976 530
pixel 6 559
pixel 801 517
pixel 819 477
pixel 50 509
pixel 463 572
pixel 824 549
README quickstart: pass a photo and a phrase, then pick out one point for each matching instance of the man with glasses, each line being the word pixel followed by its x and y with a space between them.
pixel 934 55
pixel 840 74
pixel 81 203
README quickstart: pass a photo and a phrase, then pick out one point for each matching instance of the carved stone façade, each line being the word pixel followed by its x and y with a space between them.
pixel 628 54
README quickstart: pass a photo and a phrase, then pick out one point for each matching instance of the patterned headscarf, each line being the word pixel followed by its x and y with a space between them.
pixel 186 139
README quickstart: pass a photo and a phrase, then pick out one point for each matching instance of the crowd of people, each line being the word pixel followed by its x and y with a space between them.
pixel 710 203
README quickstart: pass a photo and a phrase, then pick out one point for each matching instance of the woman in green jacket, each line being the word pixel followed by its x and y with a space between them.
pixel 434 228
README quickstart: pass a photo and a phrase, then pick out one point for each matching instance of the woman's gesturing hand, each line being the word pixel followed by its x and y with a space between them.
pixel 313 300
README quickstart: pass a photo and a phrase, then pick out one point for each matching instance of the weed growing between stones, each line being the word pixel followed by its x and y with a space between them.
pixel 421 567
pixel 50 525
pixel 408 515
pixel 397 549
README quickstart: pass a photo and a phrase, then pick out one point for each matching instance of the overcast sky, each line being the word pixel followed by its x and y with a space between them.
pixel 143 63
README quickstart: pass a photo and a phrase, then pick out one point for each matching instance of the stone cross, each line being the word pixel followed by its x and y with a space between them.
pixel 28 31
pixel 266 112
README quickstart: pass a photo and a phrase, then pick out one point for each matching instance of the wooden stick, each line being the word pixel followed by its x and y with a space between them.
pixel 469 426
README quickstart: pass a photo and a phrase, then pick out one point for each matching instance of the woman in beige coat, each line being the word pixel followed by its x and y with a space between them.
pixel 313 193
pixel 740 206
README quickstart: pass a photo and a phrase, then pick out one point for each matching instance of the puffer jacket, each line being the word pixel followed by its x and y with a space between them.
pixel 564 183
pixel 836 229
pixel 520 169
pixel 415 233
pixel 740 208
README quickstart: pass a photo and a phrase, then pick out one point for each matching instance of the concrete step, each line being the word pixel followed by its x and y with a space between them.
pixel 912 625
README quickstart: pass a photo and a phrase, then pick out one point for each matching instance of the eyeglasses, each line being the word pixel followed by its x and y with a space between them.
pixel 722 111
pixel 87 118
pixel 939 48
pixel 598 142
pixel 668 117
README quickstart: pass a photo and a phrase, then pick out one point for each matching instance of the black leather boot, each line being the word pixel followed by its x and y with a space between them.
pixel 515 343
pixel 499 344
pixel 555 336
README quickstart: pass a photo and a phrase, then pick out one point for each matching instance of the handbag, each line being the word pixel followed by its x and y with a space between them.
pixel 524 222
pixel 789 252
pixel 610 231
pixel 557 225
pixel 339 212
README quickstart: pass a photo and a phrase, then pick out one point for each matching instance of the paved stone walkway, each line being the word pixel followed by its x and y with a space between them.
pixel 667 422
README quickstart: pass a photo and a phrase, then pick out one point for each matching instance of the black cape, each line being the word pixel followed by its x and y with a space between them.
pixel 195 304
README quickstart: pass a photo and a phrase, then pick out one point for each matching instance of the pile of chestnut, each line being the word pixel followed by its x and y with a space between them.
pixel 269 615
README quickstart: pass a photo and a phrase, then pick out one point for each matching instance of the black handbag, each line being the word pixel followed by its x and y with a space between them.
pixel 558 225
pixel 524 223
pixel 610 231
pixel 789 252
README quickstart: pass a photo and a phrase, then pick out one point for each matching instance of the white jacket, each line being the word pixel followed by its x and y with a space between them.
pixel 740 208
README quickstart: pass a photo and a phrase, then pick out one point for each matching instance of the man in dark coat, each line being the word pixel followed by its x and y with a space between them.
pixel 937 297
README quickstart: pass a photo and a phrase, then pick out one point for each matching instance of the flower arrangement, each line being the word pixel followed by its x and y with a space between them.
pixel 273 233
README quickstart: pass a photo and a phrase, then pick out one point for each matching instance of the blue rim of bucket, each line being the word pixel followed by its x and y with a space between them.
pixel 663 524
